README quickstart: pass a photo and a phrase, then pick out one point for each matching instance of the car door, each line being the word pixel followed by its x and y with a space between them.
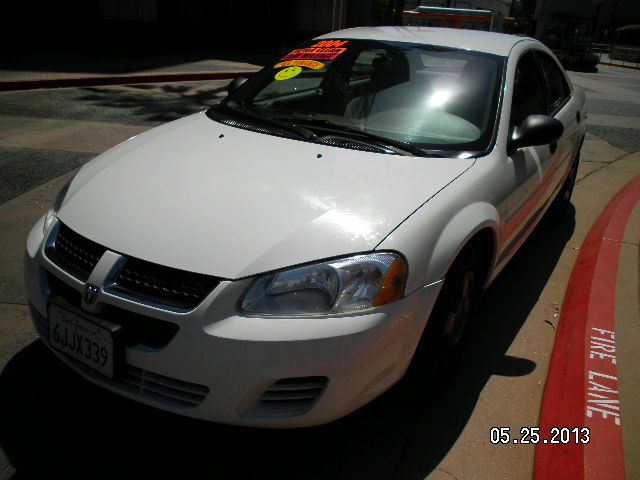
pixel 527 167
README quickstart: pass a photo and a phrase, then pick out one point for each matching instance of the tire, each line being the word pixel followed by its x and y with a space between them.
pixel 562 201
pixel 440 349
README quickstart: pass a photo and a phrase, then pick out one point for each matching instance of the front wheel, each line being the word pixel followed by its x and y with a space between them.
pixel 442 343
pixel 561 202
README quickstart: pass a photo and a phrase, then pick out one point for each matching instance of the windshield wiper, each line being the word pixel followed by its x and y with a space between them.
pixel 253 113
pixel 378 140
pixel 296 128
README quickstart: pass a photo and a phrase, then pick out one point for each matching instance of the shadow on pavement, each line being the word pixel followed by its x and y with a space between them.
pixel 156 104
pixel 502 312
pixel 58 425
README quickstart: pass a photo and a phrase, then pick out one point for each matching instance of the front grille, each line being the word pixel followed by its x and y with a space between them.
pixel 163 285
pixel 138 330
pixel 352 144
pixel 137 279
pixel 151 386
pixel 290 396
pixel 162 389
pixel 74 253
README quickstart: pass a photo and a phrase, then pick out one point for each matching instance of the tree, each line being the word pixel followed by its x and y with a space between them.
pixel 523 11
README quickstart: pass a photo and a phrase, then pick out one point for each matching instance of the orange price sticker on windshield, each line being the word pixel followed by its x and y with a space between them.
pixel 326 50
pixel 300 63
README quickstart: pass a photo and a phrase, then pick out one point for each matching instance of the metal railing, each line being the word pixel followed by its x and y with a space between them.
pixel 617 55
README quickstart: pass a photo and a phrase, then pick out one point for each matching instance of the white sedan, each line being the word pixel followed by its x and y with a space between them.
pixel 282 258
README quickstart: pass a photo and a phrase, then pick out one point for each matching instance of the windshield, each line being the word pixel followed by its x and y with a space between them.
pixel 430 97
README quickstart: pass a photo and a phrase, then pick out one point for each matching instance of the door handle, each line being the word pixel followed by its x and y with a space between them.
pixel 553 147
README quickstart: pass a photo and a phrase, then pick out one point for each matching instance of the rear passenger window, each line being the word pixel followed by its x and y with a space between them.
pixel 557 88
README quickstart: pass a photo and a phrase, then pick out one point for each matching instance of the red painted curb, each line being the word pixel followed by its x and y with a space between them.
pixel 120 80
pixel 581 388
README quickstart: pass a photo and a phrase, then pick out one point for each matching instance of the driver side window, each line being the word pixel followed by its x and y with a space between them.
pixel 528 93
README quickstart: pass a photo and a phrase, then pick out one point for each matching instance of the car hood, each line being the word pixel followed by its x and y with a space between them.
pixel 201 196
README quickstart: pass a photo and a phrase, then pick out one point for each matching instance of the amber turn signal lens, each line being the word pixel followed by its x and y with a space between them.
pixel 393 283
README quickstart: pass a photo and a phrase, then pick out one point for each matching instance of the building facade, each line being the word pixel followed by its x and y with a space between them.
pixel 489 14
pixel 500 7
pixel 583 21
pixel 247 24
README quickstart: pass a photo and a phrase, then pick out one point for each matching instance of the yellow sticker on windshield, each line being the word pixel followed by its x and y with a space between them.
pixel 288 73
pixel 300 63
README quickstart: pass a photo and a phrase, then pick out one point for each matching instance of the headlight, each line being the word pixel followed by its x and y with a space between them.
pixel 340 286
pixel 57 203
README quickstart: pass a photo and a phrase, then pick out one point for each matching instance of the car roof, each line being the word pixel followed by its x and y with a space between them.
pixel 488 42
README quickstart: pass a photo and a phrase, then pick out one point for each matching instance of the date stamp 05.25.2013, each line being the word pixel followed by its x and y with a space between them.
pixel 533 435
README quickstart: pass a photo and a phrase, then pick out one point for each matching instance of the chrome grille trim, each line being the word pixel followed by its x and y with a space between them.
pixel 133 279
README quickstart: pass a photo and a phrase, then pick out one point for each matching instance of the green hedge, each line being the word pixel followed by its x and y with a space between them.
pixel 581 62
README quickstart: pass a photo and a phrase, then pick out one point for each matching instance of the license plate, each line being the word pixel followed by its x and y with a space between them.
pixel 82 339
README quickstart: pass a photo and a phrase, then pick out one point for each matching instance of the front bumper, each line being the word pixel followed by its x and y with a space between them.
pixel 260 371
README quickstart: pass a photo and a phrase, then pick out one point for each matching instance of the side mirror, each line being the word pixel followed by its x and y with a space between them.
pixel 535 130
pixel 235 84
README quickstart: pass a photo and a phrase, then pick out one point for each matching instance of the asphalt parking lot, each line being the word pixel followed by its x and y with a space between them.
pixel 56 423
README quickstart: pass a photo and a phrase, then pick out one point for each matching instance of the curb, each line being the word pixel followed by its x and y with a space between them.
pixel 119 80
pixel 581 391
pixel 630 67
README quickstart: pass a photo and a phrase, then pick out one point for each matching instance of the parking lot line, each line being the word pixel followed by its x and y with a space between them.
pixel 581 390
